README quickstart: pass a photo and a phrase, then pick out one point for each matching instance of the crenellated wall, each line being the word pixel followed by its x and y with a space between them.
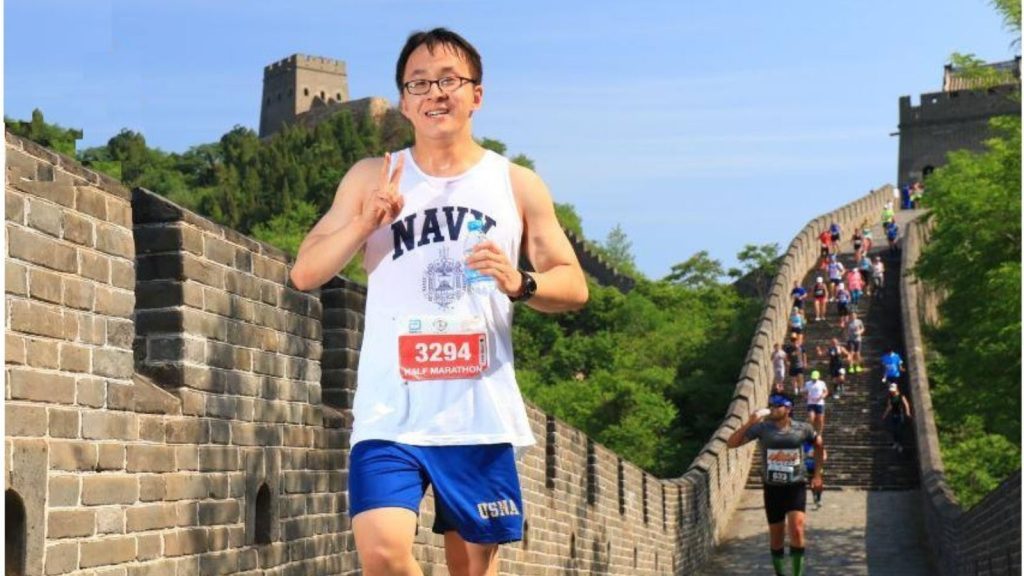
pixel 985 539
pixel 175 408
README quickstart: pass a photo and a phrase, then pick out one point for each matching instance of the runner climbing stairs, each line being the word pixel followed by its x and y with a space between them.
pixel 858 443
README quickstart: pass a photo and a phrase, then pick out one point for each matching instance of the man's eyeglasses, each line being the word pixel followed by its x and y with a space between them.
pixel 446 85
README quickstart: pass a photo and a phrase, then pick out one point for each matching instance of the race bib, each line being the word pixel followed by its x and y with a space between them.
pixel 442 348
pixel 782 464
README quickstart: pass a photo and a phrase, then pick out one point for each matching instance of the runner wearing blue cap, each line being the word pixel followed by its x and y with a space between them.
pixel 784 474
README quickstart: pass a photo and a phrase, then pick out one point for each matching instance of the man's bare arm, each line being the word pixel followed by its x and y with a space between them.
pixel 561 285
pixel 366 199
pixel 739 436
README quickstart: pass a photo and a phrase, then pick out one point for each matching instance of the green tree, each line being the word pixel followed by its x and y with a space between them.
pixel 697 271
pixel 618 250
pixel 974 255
pixel 50 135
pixel 758 267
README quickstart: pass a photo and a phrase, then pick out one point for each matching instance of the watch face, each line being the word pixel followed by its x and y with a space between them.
pixel 529 287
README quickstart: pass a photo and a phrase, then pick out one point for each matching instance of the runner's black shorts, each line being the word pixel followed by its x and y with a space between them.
pixel 778 500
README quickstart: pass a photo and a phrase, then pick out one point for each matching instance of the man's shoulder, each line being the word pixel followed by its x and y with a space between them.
pixel 522 176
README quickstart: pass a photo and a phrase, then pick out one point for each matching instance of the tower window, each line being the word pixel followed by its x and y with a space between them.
pixel 305 91
pixel 322 95
pixel 14 534
pixel 338 97
pixel 263 515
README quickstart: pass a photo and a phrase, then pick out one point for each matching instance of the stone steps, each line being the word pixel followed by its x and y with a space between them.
pixel 857 442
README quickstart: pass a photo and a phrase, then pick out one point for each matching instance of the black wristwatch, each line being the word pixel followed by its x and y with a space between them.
pixel 528 289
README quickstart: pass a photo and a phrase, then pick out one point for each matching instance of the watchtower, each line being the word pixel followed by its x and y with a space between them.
pixel 298 84
pixel 954 119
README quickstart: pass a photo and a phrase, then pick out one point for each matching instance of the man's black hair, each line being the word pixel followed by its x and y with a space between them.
pixel 434 38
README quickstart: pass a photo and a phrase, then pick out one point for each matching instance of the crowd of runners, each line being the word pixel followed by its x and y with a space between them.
pixel 793 453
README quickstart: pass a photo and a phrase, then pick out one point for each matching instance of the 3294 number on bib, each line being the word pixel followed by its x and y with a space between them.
pixel 442 356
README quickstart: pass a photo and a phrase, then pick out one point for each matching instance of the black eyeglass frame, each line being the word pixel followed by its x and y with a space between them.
pixel 430 83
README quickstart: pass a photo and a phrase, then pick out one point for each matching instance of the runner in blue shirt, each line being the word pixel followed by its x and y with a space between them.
pixel 799 294
pixel 892 365
pixel 892 233
pixel 809 462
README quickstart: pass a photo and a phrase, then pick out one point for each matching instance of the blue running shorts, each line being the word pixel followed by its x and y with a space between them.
pixel 476 487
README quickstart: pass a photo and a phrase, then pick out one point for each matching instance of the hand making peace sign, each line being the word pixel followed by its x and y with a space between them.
pixel 384 202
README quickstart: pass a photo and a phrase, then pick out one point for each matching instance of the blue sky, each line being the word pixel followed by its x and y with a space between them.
pixel 693 125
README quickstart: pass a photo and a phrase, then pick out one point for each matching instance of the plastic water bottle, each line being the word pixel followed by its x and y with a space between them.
pixel 476 282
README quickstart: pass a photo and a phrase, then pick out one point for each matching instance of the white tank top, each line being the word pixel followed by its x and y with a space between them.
pixel 415 271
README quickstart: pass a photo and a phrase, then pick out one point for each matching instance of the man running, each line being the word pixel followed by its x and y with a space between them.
pixel 781 442
pixel 867 236
pixel 810 464
pixel 858 243
pixel 820 293
pixel 799 295
pixel 892 234
pixel 843 299
pixel 878 278
pixel 424 418
pixel 779 365
pixel 892 366
pixel 835 274
pixel 854 342
pixel 897 410
pixel 888 214
pixel 837 356
pixel 825 240
pixel 816 391
pixel 796 356
pixel 834 232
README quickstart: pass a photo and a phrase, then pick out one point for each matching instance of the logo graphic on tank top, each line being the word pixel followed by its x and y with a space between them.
pixel 443 281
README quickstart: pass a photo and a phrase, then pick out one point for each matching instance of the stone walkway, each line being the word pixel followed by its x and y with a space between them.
pixel 854 533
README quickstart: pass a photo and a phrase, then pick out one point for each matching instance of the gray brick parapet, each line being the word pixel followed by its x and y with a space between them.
pixel 985 539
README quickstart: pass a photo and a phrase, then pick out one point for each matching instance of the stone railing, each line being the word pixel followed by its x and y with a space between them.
pixel 986 538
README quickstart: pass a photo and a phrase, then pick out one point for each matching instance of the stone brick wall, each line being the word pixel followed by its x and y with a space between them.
pixel 174 408
pixel 160 377
pixel 947 121
pixel 985 539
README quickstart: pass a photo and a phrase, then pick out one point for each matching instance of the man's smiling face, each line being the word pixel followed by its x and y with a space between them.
pixel 438 113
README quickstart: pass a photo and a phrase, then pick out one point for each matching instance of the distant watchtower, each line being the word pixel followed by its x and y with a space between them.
pixel 297 84
pixel 954 119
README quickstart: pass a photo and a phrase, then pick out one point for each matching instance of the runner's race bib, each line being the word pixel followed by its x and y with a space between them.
pixel 782 465
pixel 442 348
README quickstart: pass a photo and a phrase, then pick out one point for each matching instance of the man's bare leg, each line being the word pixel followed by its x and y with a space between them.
pixel 469 559
pixel 384 539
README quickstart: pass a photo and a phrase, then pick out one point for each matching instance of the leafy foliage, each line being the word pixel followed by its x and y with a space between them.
pixel 50 135
pixel 977 462
pixel 649 373
pixel 974 255
pixel 618 250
